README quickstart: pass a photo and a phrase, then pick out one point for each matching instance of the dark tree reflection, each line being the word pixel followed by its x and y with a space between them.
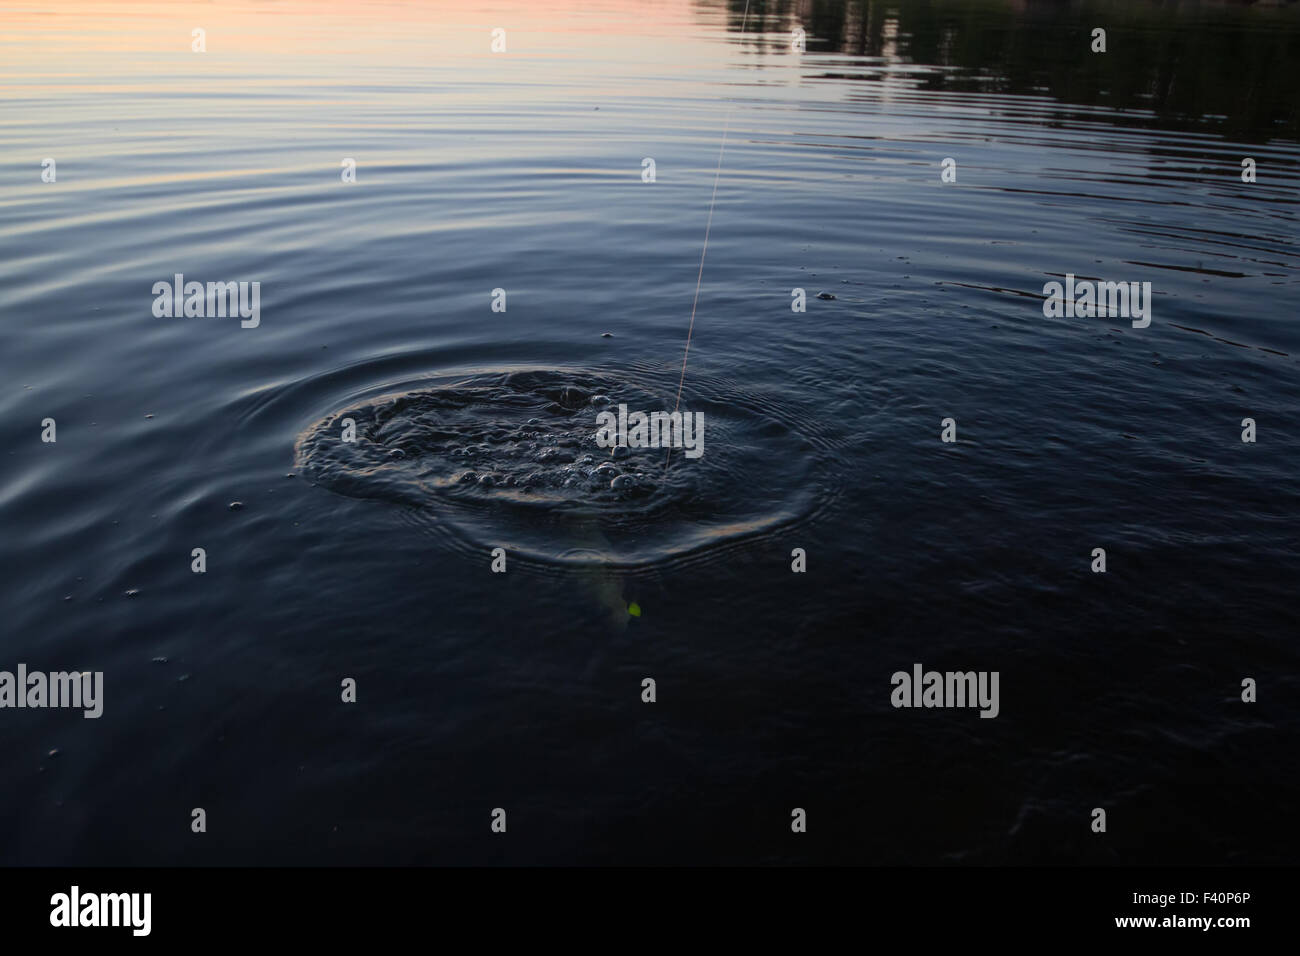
pixel 1230 68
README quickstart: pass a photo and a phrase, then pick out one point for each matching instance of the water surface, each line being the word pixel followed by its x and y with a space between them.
pixel 523 171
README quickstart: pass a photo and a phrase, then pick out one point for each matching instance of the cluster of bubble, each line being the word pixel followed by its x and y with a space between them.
pixel 472 439
pixel 537 456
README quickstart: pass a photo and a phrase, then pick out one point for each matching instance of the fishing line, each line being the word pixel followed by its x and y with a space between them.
pixel 726 126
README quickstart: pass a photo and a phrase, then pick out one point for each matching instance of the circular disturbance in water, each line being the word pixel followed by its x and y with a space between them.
pixel 510 459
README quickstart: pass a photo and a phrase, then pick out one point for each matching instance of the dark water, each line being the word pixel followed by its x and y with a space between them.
pixel 523 171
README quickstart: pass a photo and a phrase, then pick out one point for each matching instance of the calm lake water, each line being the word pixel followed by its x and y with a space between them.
pixel 524 171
